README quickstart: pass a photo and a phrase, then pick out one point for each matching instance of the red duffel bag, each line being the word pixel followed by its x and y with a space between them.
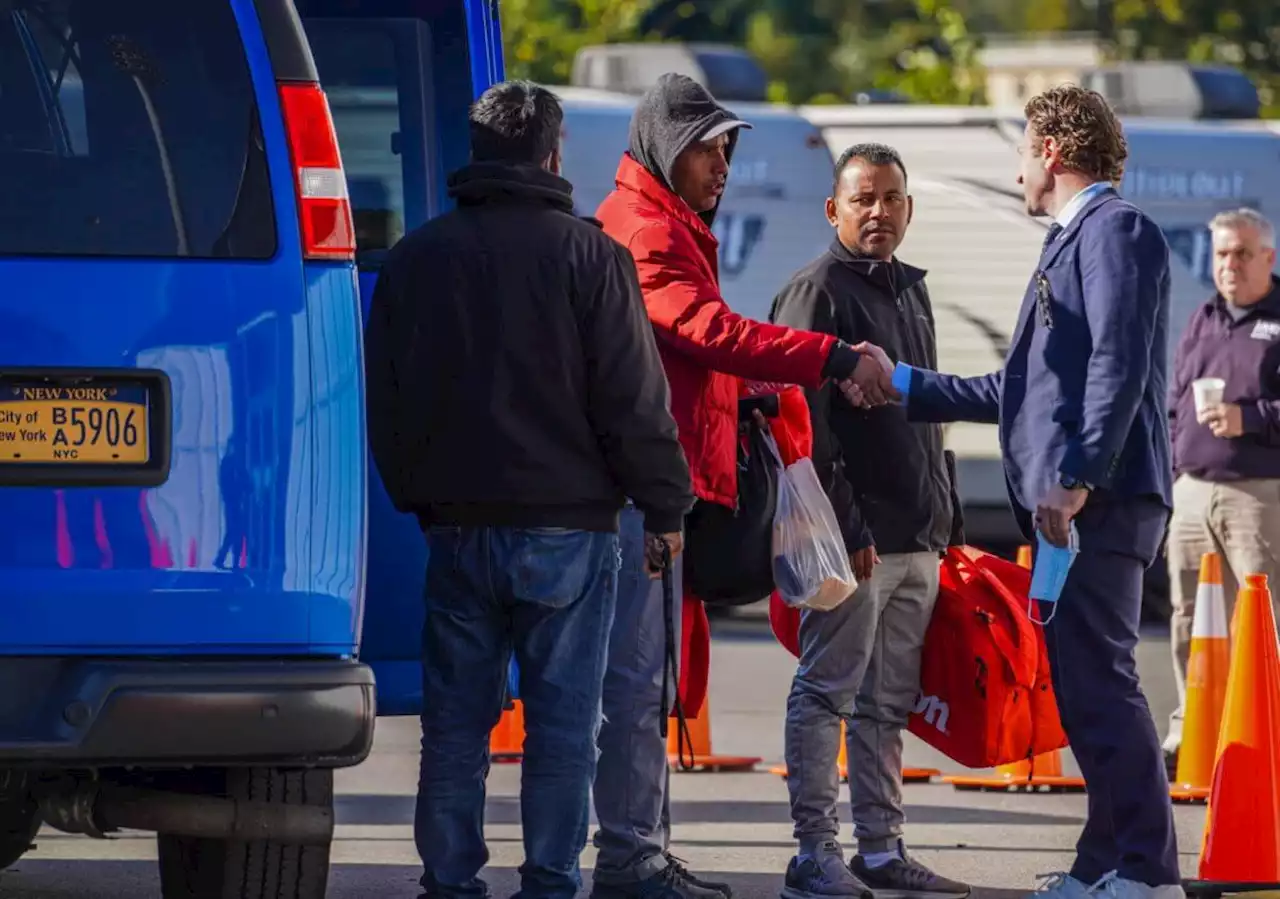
pixel 986 697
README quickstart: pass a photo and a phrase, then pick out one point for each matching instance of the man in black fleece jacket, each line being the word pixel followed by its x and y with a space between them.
pixel 516 400
pixel 892 489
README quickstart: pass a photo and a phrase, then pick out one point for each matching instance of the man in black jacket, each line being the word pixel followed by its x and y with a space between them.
pixel 516 400
pixel 890 483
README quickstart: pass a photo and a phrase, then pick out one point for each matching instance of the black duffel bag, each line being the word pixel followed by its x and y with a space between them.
pixel 728 554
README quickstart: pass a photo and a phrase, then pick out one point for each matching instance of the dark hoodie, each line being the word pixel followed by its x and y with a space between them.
pixel 676 112
pixel 513 377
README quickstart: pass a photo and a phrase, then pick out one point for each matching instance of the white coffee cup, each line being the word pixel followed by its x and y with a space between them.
pixel 1208 393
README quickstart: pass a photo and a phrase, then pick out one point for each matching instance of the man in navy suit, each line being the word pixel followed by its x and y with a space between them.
pixel 1080 406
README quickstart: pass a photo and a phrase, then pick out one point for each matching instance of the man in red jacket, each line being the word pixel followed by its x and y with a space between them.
pixel 669 186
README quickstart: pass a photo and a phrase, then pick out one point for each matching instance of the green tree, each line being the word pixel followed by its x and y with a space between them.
pixel 820 51
pixel 541 37
pixel 1240 33
pixel 936 59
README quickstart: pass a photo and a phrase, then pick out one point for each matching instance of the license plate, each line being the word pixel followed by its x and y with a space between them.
pixel 89 424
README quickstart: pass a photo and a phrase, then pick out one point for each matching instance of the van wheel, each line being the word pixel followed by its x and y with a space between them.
pixel 19 823
pixel 198 868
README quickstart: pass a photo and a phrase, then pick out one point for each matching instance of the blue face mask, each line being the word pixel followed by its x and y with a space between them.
pixel 1049 575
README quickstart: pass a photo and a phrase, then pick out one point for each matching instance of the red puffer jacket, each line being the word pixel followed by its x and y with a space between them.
pixel 706 349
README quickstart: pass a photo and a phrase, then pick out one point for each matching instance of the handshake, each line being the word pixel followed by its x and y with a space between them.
pixel 871 383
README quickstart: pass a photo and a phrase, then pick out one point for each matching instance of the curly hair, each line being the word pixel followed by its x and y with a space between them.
pixel 1084 126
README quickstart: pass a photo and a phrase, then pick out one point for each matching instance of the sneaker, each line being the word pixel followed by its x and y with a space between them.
pixel 722 888
pixel 822 876
pixel 1112 886
pixel 1060 885
pixel 672 882
pixel 906 878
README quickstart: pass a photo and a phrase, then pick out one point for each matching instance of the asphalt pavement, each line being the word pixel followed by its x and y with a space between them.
pixel 733 825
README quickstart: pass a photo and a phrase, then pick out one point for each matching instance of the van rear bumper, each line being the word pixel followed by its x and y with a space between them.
pixel 95 712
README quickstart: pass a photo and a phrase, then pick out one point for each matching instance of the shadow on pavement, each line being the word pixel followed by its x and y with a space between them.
pixel 137 880
pixel 364 809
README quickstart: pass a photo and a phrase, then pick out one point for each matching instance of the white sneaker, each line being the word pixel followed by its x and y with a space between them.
pixel 1112 886
pixel 1060 885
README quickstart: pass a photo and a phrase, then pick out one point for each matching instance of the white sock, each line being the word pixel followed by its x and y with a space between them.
pixel 879 859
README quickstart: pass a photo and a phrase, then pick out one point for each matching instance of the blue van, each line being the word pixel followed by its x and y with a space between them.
pixel 187 508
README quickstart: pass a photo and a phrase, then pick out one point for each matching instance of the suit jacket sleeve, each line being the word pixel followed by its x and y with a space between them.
pixel 692 318
pixel 940 398
pixel 1124 273
pixel 629 398
pixel 803 304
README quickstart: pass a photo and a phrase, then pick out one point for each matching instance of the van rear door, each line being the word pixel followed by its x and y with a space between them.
pixel 399 87
pixel 149 254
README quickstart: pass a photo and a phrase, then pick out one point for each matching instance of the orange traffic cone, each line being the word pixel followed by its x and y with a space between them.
pixel 697 747
pixel 1242 828
pixel 506 740
pixel 909 775
pixel 1206 686
pixel 1042 774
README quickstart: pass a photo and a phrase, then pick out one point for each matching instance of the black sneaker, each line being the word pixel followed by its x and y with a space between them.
pixel 823 875
pixel 1171 764
pixel 906 878
pixel 672 882
pixel 722 888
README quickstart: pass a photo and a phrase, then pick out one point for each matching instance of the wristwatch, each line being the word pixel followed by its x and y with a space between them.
pixel 1071 483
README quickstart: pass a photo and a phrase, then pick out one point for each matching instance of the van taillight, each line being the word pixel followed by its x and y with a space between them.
pixel 324 207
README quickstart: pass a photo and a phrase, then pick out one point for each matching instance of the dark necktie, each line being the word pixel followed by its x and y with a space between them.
pixel 1054 230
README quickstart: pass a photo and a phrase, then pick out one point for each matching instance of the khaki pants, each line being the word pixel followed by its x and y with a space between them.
pixel 1240 521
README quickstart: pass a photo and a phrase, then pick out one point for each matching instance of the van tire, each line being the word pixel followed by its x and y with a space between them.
pixel 199 868
pixel 19 823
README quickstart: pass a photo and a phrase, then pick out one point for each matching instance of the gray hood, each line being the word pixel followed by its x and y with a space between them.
pixel 676 112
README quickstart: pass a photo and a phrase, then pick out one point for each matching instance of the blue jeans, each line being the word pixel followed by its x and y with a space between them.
pixel 633 805
pixel 548 595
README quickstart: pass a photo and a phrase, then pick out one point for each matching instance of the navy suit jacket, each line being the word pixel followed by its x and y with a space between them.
pixel 1083 388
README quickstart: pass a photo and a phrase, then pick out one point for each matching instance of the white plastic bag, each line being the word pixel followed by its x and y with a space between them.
pixel 810 566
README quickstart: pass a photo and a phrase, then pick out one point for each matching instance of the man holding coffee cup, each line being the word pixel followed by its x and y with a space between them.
pixel 1225 427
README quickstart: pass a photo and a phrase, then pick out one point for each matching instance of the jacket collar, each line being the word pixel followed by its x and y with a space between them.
pixel 894 274
pixel 1101 196
pixel 492 182
pixel 636 178
pixel 1269 304
pixel 1077 203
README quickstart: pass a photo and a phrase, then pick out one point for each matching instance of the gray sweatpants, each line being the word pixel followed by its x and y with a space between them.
pixel 1241 522
pixel 861 662
pixel 632 777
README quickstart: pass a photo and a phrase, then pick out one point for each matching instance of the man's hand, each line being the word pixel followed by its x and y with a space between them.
pixel 853 393
pixel 1054 514
pixel 875 352
pixel 653 544
pixel 863 562
pixel 873 376
pixel 1224 420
